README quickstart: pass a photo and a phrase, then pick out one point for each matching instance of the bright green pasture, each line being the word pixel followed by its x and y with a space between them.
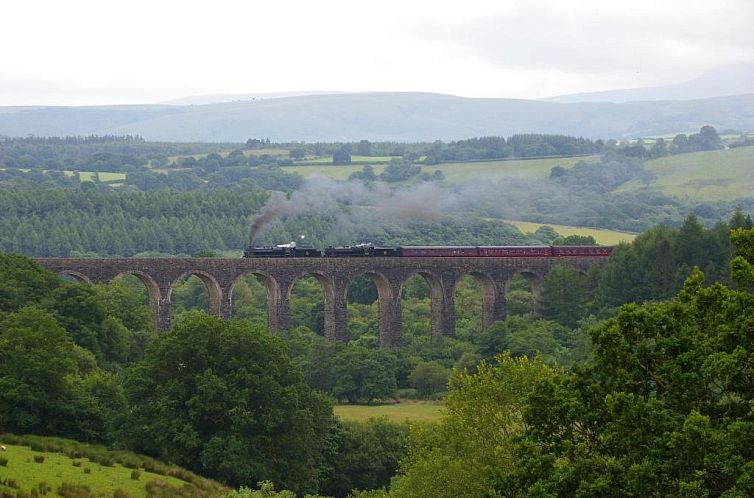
pixel 104 176
pixel 426 411
pixel 355 159
pixel 57 469
pixel 271 151
pixel 531 169
pixel 341 172
pixel 602 236
pixel 720 175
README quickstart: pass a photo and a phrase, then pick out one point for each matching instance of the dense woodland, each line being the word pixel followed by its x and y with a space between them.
pixel 102 374
pixel 206 203
pixel 633 377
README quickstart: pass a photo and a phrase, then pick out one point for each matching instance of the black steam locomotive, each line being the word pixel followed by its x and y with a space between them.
pixel 370 250
pixel 360 251
pixel 282 251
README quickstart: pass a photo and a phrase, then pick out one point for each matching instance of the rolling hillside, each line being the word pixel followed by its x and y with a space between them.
pixel 720 175
pixel 49 465
pixel 380 116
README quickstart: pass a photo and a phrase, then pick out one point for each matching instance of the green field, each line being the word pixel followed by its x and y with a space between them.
pixel 58 469
pixel 531 169
pixel 104 176
pixel 354 159
pixel 426 411
pixel 270 151
pixel 720 175
pixel 602 236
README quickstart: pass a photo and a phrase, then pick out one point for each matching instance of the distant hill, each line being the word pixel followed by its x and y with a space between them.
pixel 380 116
pixel 734 79
pixel 217 98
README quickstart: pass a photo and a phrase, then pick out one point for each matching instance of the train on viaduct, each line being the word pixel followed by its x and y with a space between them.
pixel 220 275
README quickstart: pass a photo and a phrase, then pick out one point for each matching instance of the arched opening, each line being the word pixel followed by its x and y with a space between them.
pixel 416 309
pixel 194 291
pixel 473 291
pixel 127 299
pixel 307 303
pixel 250 295
pixel 363 297
pixel 522 294
pixel 139 289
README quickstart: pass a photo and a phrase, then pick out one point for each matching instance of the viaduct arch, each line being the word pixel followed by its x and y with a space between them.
pixel 220 275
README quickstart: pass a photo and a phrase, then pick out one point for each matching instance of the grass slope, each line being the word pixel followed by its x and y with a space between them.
pixel 602 236
pixel 102 478
pixel 527 169
pixel 720 175
pixel 104 176
pixel 426 411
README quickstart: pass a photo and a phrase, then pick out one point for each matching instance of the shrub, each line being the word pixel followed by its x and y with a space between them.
pixel 157 488
pixel 77 463
pixel 135 475
pixel 3 462
pixel 87 470
pixel 67 490
pixel 39 458
pixel 44 488
pixel 429 378
pixel 11 483
pixel 119 493
pixel 408 393
pixel 104 460
pixel 22 494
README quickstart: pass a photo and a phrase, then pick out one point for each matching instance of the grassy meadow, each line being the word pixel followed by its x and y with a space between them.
pixel 719 175
pixel 424 411
pixel 56 461
pixel 58 469
pixel 104 176
pixel 603 236
pixel 528 169
pixel 354 159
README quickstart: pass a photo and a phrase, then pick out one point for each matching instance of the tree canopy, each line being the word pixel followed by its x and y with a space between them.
pixel 221 397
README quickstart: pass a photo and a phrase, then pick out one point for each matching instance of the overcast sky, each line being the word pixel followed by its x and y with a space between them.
pixel 77 52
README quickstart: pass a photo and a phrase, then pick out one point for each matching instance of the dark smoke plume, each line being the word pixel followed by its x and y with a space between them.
pixel 427 202
pixel 276 207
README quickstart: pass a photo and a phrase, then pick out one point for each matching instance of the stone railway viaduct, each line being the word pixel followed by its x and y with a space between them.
pixel 279 275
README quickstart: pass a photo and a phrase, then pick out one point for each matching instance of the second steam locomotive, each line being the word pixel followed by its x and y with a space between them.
pixel 369 250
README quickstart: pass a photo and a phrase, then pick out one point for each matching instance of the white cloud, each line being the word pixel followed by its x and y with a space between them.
pixel 94 52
